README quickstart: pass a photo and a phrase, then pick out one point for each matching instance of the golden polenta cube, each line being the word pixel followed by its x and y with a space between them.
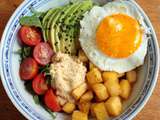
pixel 94 76
pixel 88 96
pixel 78 115
pixel 113 88
pixel 110 76
pixel 69 107
pixel 100 111
pixel 100 91
pixel 84 107
pixel 125 89
pixel 114 106
pixel 79 91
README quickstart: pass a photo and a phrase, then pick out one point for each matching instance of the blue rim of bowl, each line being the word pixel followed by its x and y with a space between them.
pixel 28 111
pixel 8 84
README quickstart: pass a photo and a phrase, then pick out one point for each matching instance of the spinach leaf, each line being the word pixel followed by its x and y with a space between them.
pixel 24 52
pixel 31 21
pixel 53 114
pixel 46 70
pixel 36 99
pixel 28 87
pixel 34 20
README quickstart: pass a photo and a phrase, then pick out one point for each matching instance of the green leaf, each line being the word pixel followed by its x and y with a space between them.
pixel 31 21
pixel 45 69
pixel 24 52
pixel 28 87
pixel 34 20
pixel 36 99
pixel 53 114
pixel 48 79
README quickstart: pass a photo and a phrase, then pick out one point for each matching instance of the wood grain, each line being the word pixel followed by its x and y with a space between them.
pixel 152 109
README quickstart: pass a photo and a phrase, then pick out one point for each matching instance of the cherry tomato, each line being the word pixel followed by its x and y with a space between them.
pixel 42 53
pixel 30 35
pixel 28 69
pixel 38 84
pixel 51 102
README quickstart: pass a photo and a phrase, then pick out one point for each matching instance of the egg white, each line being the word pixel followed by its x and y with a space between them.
pixel 87 38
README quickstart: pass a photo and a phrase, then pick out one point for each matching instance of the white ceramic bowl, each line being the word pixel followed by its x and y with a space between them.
pixel 9 65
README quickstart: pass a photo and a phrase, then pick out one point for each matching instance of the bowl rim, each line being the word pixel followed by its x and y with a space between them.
pixel 155 79
pixel 14 102
pixel 1 72
pixel 138 109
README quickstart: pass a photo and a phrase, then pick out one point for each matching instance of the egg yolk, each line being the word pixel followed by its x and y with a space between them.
pixel 118 36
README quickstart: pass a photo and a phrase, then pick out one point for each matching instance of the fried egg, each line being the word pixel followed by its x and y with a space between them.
pixel 114 36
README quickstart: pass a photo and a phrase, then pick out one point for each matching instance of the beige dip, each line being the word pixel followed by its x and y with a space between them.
pixel 67 74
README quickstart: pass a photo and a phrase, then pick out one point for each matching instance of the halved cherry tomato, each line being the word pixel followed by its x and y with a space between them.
pixel 42 53
pixel 51 102
pixel 28 69
pixel 30 35
pixel 38 84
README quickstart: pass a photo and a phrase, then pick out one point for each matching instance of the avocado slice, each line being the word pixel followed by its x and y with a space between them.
pixel 53 35
pixel 45 21
pixel 49 23
pixel 72 26
pixel 86 6
pixel 55 29
pixel 62 26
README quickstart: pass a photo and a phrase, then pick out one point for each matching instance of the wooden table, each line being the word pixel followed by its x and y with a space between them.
pixel 150 112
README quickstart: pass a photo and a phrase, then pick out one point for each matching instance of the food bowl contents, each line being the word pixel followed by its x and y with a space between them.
pixel 81 58
pixel 30 35
pixel 51 101
pixel 106 89
pixel 114 36
pixel 67 74
pixel 28 69
pixel 42 53
pixel 61 26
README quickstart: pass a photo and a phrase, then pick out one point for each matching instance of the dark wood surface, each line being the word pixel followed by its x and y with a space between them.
pixel 150 112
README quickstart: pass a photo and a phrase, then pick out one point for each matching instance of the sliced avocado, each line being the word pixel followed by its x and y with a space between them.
pixel 62 25
pixel 86 6
pixel 53 35
pixel 49 23
pixel 71 27
pixel 45 21
pixel 51 26
pixel 55 27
